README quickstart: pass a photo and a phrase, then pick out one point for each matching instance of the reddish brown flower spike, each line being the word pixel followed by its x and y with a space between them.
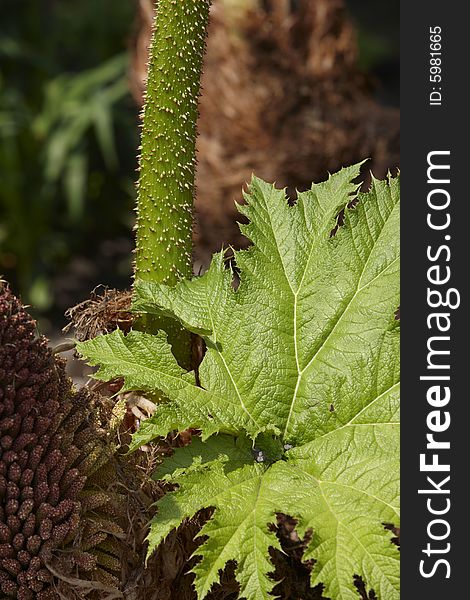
pixel 43 428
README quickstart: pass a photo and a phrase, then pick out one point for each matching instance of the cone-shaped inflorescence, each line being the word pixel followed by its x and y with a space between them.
pixel 51 439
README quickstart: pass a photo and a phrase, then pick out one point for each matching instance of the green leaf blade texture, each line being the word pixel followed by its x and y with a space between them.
pixel 345 496
pixel 242 496
pixel 305 353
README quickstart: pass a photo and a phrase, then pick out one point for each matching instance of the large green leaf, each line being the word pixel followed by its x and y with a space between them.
pixel 303 354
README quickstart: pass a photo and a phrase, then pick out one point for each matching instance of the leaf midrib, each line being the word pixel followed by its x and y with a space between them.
pixel 224 362
pixel 346 308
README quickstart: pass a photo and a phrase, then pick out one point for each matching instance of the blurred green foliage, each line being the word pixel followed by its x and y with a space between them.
pixel 68 136
pixel 378 34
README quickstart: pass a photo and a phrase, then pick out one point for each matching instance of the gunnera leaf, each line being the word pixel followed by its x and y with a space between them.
pixel 298 402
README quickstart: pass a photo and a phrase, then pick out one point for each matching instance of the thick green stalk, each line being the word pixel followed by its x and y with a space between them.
pixel 168 155
pixel 167 161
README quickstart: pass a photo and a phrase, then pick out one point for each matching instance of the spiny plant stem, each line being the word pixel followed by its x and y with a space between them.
pixel 167 161
pixel 168 155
